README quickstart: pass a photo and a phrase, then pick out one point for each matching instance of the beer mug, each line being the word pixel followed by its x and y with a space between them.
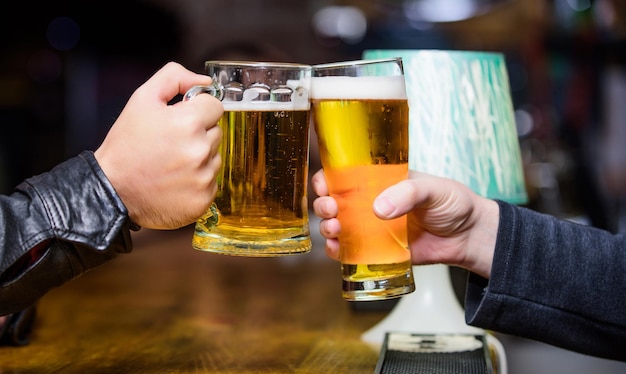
pixel 261 205
pixel 360 114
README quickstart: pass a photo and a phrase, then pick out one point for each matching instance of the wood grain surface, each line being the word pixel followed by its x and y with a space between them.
pixel 167 308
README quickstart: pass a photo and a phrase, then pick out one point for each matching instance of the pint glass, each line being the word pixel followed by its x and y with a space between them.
pixel 261 204
pixel 360 113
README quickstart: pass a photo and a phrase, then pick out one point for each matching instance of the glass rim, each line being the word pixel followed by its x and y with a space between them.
pixel 256 64
pixel 357 62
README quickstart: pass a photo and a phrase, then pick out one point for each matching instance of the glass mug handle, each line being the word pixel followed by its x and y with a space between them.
pixel 214 90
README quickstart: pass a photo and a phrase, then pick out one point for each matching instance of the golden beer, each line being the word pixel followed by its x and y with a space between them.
pixel 362 129
pixel 261 204
pixel 261 198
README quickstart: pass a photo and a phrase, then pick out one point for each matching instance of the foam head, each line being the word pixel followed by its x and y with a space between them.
pixel 364 87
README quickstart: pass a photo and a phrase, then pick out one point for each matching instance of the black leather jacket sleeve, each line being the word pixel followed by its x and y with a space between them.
pixel 73 217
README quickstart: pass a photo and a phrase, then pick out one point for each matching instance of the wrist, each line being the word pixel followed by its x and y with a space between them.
pixel 483 241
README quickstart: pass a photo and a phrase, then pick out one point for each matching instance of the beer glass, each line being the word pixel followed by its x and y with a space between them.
pixel 360 114
pixel 261 204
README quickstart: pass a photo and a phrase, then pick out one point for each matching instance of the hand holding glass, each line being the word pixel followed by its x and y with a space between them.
pixel 360 113
pixel 261 204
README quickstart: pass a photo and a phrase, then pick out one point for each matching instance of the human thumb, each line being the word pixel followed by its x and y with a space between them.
pixel 386 205
pixel 397 200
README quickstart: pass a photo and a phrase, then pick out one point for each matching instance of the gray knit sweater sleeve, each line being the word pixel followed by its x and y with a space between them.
pixel 554 281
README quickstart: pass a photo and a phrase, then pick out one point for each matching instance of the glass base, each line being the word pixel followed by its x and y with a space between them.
pixel 250 248
pixel 379 288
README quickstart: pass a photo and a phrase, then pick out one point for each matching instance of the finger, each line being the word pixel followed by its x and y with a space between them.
pixel 330 228
pixel 318 181
pixel 332 249
pixel 214 137
pixel 174 79
pixel 394 200
pixel 209 108
pixel 325 207
pixel 404 196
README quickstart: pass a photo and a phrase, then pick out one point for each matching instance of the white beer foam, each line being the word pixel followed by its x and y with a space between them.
pixel 371 88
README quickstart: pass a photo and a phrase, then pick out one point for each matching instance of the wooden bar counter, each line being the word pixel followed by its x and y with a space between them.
pixel 167 308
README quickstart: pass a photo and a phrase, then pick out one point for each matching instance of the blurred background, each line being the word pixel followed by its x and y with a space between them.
pixel 67 68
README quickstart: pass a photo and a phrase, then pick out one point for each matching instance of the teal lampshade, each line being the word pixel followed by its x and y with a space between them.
pixel 461 119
